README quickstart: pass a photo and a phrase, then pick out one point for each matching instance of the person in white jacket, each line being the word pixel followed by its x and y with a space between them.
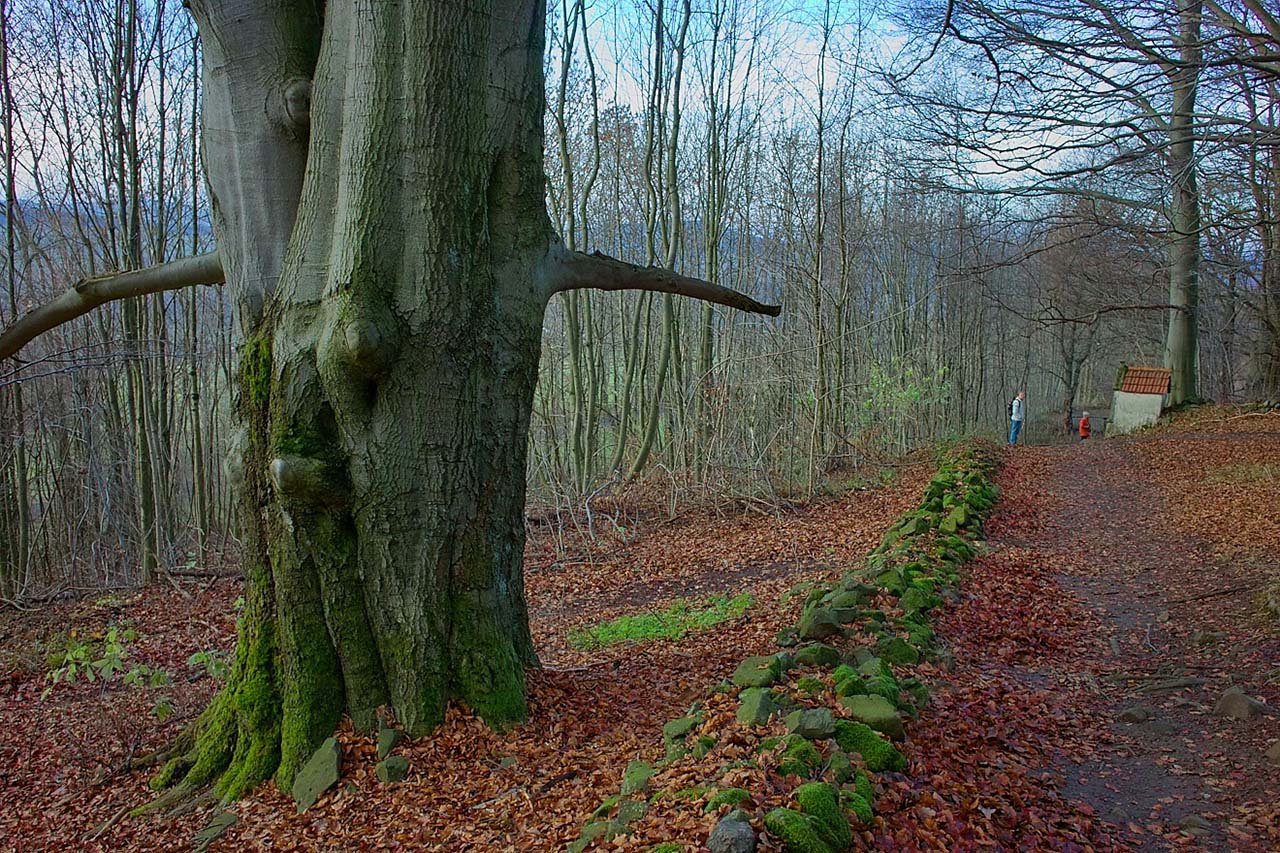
pixel 1017 411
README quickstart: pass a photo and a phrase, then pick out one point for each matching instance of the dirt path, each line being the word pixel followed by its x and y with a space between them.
pixel 1162 626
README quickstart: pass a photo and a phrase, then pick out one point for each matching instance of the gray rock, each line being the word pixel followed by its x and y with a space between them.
pixel 1237 705
pixel 812 723
pixel 318 775
pixel 1164 728
pixel 393 769
pixel 732 835
pixel 388 738
pixel 818 624
pixel 1273 754
pixel 1136 714
pixel 215 829
pixel 757 706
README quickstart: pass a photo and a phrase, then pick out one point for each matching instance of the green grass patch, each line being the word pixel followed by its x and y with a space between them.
pixel 1245 472
pixel 678 620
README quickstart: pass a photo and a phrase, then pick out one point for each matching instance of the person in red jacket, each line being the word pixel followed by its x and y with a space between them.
pixel 1084 426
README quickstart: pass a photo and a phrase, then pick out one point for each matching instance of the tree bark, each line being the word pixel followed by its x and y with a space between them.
pixel 1182 339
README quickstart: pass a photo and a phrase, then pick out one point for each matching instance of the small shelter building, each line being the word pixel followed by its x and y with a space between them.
pixel 1140 396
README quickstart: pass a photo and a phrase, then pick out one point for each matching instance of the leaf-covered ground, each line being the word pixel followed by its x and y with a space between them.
pixel 1103 563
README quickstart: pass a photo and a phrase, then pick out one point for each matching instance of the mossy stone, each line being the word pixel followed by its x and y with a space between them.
pixel 758 671
pixel 915 600
pixel 819 624
pixel 897 650
pixel 917 690
pixel 848 598
pixel 388 739
pixel 601 830
pixel 839 766
pixel 630 811
pixel 810 686
pixel 799 757
pixel 862 785
pixel 853 593
pixel 916 525
pixel 757 706
pixel 860 655
pixel 605 807
pixel 679 728
pixel 817 654
pixel 859 805
pixel 392 769
pixel 320 773
pixel 821 801
pixel 877 712
pixel 892 581
pixel 873 667
pixel 848 681
pixel 918 633
pixel 877 752
pixel 846 615
pixel 214 830
pixel 705 744
pixel 812 723
pixel 728 797
pixel 797 832
pixel 636 777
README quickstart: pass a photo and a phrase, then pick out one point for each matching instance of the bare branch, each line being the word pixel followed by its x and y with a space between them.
pixel 576 271
pixel 89 293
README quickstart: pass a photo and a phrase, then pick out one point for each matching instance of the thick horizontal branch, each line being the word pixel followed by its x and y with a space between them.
pixel 577 271
pixel 89 293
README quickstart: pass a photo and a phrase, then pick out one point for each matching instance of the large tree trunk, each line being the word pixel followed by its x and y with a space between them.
pixel 387 390
pixel 387 381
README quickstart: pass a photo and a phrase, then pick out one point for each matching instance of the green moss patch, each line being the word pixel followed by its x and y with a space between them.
pixel 877 752
pixel 821 802
pixel 799 757
pixel 677 621
pixel 729 797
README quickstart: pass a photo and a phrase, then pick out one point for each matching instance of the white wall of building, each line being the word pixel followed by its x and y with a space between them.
pixel 1133 411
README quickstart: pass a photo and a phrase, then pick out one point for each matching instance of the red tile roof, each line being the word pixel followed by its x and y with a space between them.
pixel 1146 380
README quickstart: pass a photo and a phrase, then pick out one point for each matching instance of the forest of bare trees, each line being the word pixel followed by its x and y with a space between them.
pixel 951 201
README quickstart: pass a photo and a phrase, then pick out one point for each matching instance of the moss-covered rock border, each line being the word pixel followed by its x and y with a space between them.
pixel 848 640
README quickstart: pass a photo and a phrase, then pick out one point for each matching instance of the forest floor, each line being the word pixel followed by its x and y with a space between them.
pixel 1119 576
